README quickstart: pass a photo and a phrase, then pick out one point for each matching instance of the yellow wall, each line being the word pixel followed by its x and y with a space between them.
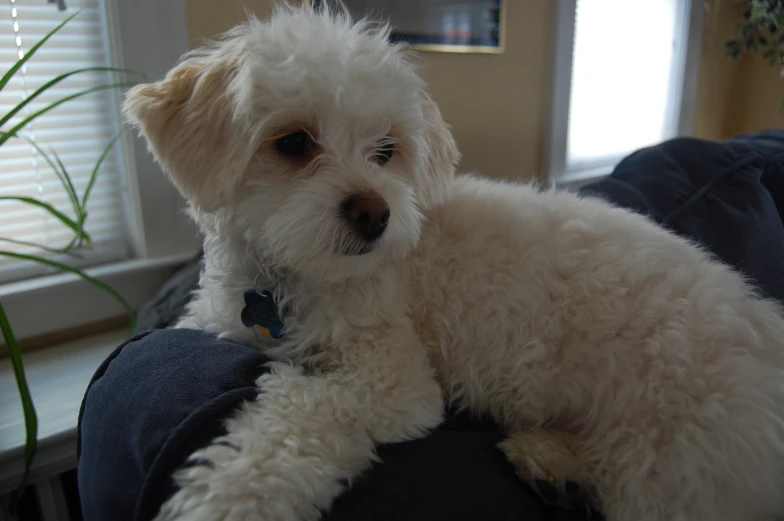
pixel 207 18
pixel 716 84
pixel 498 104
pixel 758 99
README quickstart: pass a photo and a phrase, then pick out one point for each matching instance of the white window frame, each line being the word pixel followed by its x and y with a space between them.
pixel 684 85
pixel 148 36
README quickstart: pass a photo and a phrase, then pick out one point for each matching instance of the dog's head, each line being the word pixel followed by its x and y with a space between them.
pixel 308 136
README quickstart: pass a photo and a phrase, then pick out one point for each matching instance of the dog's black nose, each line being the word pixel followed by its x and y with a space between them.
pixel 368 214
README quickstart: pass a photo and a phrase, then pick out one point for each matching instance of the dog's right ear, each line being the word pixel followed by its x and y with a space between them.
pixel 442 156
pixel 187 121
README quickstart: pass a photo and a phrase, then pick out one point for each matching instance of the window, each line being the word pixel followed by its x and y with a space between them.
pixel 136 220
pixel 77 131
pixel 625 72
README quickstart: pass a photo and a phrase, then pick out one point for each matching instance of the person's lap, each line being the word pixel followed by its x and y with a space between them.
pixel 165 394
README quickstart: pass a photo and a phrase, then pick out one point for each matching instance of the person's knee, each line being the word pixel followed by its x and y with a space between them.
pixel 143 395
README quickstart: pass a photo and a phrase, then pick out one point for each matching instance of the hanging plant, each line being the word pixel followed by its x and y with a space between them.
pixel 760 31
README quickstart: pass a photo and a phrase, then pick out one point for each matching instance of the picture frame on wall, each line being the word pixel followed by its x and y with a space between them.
pixel 460 26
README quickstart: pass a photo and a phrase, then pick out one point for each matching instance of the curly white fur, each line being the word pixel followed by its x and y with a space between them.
pixel 615 353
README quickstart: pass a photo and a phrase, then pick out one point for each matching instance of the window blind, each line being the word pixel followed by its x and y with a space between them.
pixel 78 131
pixel 624 75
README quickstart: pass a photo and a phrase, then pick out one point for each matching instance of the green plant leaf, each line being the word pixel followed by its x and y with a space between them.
pixel 97 167
pixel 29 54
pixel 52 210
pixel 28 408
pixel 69 187
pixel 46 86
pixel 770 57
pixel 732 48
pixel 65 181
pixel 77 225
pixel 65 251
pixel 14 130
pixel 81 274
pixel 61 175
pixel 72 243
pixel 757 13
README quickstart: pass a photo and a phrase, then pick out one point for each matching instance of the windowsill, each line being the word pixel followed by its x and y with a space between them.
pixel 100 272
pixel 57 377
pixel 54 303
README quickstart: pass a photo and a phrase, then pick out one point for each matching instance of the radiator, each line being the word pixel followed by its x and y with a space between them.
pixel 51 499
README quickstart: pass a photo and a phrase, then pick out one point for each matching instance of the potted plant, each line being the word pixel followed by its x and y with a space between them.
pixel 74 218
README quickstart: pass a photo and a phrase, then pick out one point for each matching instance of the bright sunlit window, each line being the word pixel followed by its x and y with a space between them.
pixel 76 132
pixel 624 87
pixel 139 232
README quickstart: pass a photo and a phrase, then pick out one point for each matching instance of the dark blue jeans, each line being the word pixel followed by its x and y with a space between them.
pixel 164 394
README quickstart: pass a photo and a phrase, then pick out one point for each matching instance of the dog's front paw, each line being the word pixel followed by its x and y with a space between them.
pixel 218 483
pixel 285 457
pixel 548 464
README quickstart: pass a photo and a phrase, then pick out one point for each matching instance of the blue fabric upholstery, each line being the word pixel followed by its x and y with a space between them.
pixel 728 196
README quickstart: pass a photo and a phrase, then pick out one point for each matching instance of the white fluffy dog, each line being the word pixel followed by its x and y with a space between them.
pixel 614 353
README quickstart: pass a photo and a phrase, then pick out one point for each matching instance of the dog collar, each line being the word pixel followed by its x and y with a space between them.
pixel 261 312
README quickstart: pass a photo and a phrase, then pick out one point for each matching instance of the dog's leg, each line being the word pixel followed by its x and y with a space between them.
pixel 289 453
pixel 549 462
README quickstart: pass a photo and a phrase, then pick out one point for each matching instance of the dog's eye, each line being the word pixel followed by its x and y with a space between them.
pixel 295 144
pixel 383 154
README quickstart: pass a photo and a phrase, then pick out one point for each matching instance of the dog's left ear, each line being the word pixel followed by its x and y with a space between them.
pixel 442 157
pixel 187 120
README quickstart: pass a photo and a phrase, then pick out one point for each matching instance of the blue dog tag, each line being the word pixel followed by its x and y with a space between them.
pixel 261 311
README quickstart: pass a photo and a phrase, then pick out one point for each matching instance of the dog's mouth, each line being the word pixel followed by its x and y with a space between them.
pixel 356 248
